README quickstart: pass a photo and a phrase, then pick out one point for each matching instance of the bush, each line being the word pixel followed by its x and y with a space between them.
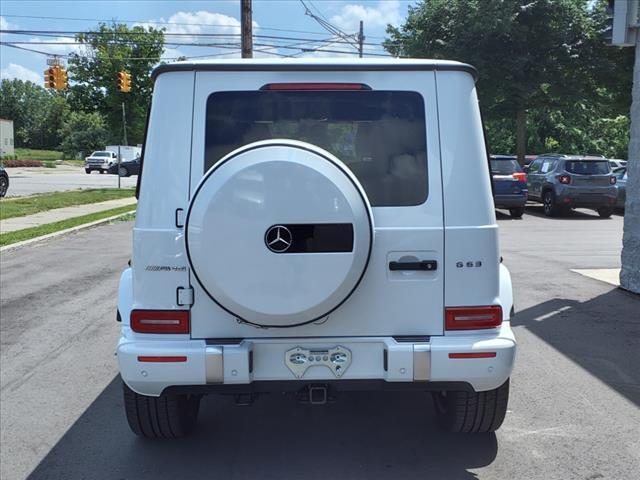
pixel 22 163
pixel 49 164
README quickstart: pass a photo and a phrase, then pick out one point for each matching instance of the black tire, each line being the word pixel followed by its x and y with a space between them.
pixel 605 212
pixel 123 172
pixel 167 416
pixel 4 185
pixel 549 204
pixel 516 212
pixel 87 171
pixel 472 412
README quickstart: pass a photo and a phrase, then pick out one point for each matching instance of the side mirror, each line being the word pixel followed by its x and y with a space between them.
pixel 525 169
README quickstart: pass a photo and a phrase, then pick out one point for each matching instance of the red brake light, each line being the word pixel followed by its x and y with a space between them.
pixel 520 176
pixel 161 359
pixel 612 180
pixel 472 318
pixel 160 321
pixel 315 86
pixel 472 355
pixel 566 179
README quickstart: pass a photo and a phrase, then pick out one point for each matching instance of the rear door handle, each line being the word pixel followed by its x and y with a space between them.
pixel 424 265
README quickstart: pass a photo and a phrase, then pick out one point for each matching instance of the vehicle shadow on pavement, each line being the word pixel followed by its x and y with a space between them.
pixel 602 335
pixel 362 435
pixel 581 214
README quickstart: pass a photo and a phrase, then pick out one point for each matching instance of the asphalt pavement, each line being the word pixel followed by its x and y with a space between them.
pixel 29 181
pixel 574 409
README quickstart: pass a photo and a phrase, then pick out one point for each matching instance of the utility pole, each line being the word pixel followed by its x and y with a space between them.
pixel 361 39
pixel 124 128
pixel 247 33
pixel 630 273
pixel 124 124
pixel 625 33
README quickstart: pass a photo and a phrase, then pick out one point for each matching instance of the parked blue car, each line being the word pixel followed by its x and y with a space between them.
pixel 509 184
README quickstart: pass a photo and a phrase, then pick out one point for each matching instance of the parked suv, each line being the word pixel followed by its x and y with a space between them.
pixel 314 227
pixel 509 184
pixel 561 182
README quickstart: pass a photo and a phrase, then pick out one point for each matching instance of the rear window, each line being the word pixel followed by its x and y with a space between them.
pixel 504 166
pixel 587 167
pixel 379 135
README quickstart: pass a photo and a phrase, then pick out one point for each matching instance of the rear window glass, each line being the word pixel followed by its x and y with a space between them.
pixel 587 167
pixel 379 135
pixel 504 166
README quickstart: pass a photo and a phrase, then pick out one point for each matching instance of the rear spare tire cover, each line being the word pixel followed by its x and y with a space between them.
pixel 279 233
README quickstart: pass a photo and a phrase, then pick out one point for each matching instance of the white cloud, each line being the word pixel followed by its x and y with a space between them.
pixel 57 45
pixel 194 23
pixel 13 70
pixel 387 11
pixel 5 25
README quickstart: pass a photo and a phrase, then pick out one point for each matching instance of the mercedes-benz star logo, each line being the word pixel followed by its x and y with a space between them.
pixel 278 239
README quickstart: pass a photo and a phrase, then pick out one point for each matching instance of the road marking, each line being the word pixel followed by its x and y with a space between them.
pixel 551 314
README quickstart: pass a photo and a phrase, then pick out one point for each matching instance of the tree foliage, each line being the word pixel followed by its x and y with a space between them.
pixel 83 133
pixel 108 50
pixel 544 59
pixel 37 113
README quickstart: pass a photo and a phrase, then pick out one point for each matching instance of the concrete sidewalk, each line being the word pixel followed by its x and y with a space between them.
pixel 59 214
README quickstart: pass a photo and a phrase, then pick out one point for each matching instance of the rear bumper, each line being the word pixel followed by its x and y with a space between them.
pixel 383 359
pixel 571 196
pixel 510 201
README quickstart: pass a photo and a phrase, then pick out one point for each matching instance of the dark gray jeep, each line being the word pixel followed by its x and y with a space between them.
pixel 561 182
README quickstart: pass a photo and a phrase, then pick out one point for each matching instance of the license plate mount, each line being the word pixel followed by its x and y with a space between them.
pixel 299 359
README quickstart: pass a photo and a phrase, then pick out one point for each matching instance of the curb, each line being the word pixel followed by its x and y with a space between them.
pixel 60 233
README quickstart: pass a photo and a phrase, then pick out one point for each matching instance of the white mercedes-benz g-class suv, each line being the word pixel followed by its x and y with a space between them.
pixel 313 227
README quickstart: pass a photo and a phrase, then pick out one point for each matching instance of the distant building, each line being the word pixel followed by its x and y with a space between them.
pixel 6 137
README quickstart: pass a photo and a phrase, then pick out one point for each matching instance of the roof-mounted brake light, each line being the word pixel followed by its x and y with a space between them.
pixel 315 86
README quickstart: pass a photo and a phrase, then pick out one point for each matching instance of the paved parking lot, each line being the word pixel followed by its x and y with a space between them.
pixel 28 181
pixel 573 414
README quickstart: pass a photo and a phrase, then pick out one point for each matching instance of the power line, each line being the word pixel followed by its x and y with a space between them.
pixel 157 23
pixel 73 33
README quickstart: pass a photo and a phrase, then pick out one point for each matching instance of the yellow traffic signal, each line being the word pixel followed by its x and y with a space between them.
pixel 56 77
pixel 50 77
pixel 62 81
pixel 124 81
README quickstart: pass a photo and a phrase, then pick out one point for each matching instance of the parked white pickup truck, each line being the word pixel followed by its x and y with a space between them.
pixel 100 161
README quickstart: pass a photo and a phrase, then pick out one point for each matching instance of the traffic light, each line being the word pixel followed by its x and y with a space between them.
pixel 50 77
pixel 62 80
pixel 124 81
pixel 56 77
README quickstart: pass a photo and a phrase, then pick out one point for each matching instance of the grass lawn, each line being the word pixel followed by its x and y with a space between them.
pixel 21 206
pixel 28 233
pixel 31 154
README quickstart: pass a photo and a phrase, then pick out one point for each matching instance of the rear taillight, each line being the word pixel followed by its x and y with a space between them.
pixel 520 176
pixel 472 318
pixel 315 86
pixel 160 321
pixel 566 179
pixel 612 180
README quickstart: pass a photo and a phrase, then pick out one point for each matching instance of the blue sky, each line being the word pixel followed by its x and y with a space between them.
pixel 271 17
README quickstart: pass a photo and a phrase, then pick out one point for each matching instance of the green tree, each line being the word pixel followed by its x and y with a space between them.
pixel 532 55
pixel 37 113
pixel 82 133
pixel 108 50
